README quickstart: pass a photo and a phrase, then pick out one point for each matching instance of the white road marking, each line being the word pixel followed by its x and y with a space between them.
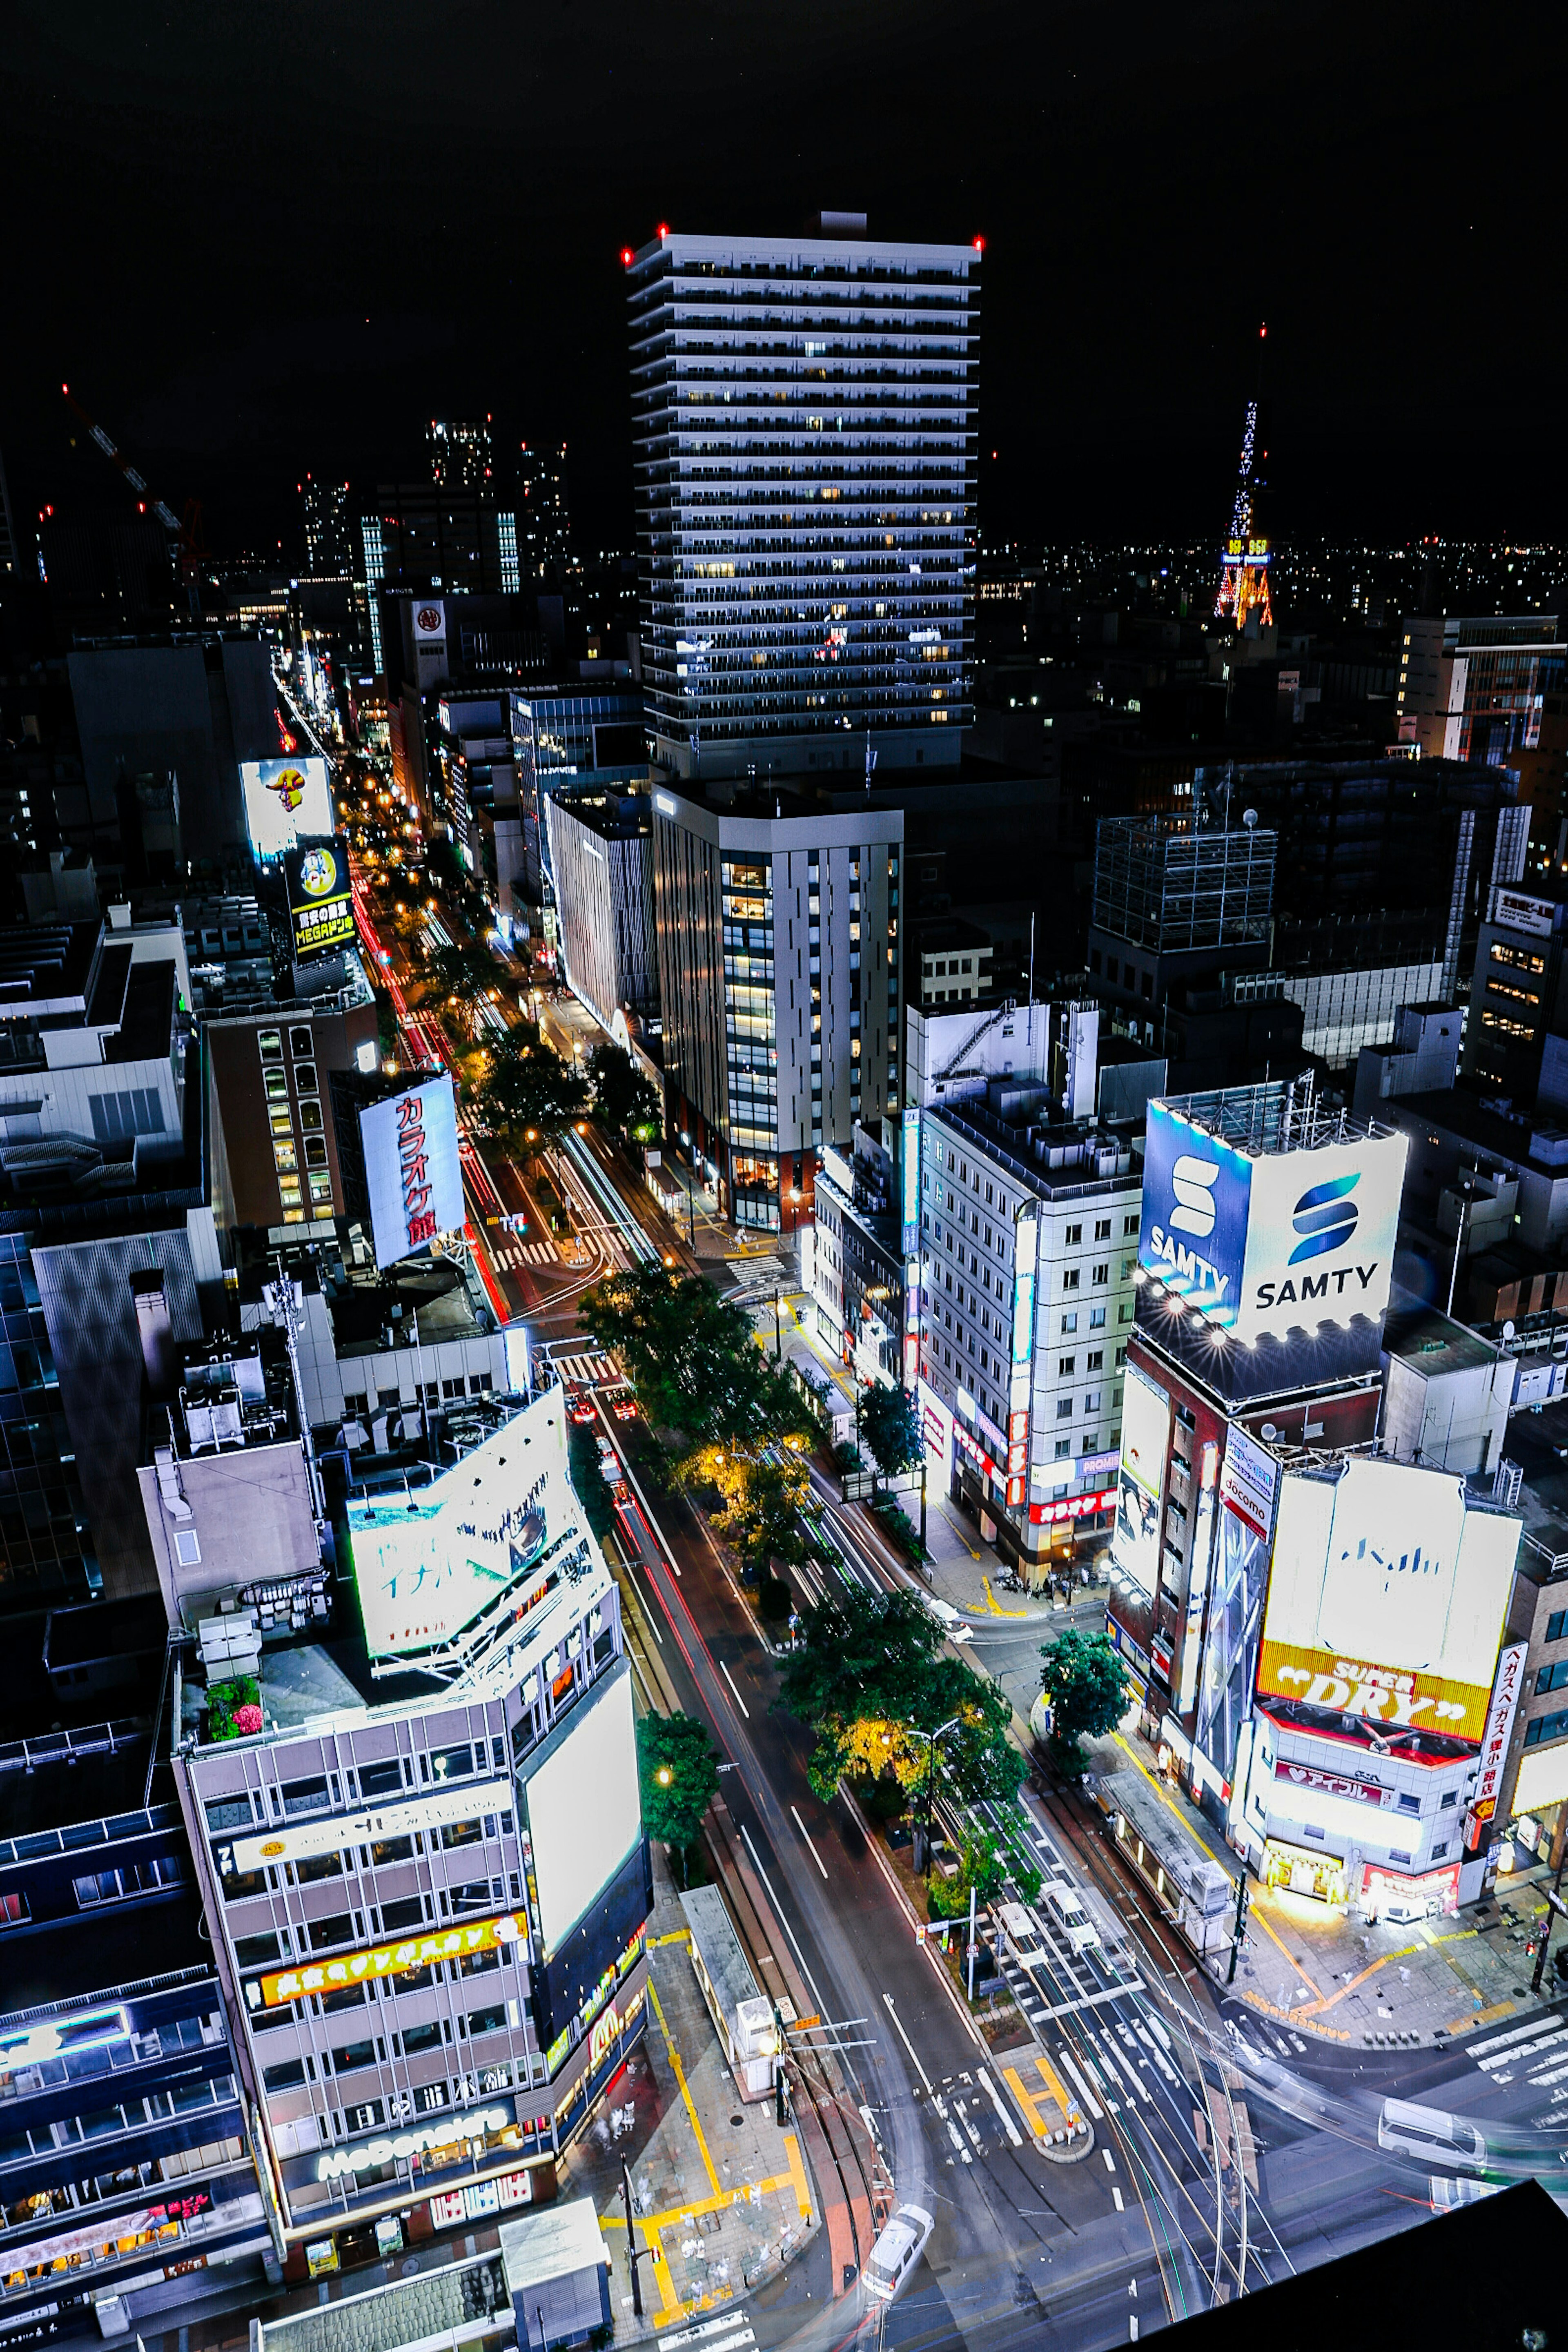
pixel 745 1710
pixel 1117 2194
pixel 1090 2101
pixel 991 2092
pixel 805 1833
pixel 1109 2159
pixel 1093 1999
pixel 904 2038
pixel 1525 2050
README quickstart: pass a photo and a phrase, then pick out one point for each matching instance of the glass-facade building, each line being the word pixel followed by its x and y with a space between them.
pixel 803 421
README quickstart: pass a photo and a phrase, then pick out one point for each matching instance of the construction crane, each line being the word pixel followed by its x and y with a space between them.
pixel 187 533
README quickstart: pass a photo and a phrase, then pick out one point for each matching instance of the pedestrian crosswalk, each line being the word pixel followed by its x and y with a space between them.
pixel 593 1370
pixel 513 1254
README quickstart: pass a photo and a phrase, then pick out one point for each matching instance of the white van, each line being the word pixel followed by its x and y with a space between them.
pixel 1024 1936
pixel 896 2251
pixel 1431 2135
pixel 1065 1905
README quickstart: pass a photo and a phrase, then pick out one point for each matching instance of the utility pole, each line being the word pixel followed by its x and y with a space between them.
pixel 971 1947
pixel 635 2253
pixel 1242 1899
pixel 1555 1905
pixel 778 1329
pixel 781 2090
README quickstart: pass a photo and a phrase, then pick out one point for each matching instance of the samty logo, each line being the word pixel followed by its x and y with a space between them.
pixel 1325 1217
pixel 430 618
pixel 289 786
pixel 1193 1181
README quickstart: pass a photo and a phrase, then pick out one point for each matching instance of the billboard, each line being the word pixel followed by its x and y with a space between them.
pixel 1319 1236
pixel 411 1168
pixel 285 801
pixel 584 1815
pixel 305 1841
pixel 417 1951
pixel 1500 1729
pixel 432 1562
pixel 1387 1596
pixel 1248 1480
pixel 320 908
pixel 1193 1232
pixel 1145 1434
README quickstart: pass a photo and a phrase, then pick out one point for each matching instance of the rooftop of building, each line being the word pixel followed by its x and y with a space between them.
pixel 940 934
pixel 1431 1342
pixel 1271 1117
pixel 614 816
pixel 1540 1145
pixel 1019 1127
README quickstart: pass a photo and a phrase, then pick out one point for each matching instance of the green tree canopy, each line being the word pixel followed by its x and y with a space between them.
pixel 892 1428
pixel 869 1681
pixel 764 1491
pixel 1086 1683
pixel 589 1479
pixel 624 1100
pixel 678 1772
pixel 528 1094
pixel 692 1356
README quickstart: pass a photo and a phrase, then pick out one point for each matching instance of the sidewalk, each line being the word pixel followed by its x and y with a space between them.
pixel 717 2187
pixel 1328 1973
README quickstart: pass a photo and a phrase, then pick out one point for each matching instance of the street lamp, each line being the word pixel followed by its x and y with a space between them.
pixel 922 1849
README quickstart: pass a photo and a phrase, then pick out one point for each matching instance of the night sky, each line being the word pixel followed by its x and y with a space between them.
pixel 262 238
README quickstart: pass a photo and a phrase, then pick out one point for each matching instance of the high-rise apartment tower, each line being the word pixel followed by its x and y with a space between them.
pixel 803 421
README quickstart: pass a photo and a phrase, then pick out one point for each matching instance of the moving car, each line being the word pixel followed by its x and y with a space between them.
pixel 896 2251
pixel 1065 1905
pixel 1431 2135
pixel 580 1404
pixel 622 1403
pixel 1023 1934
pixel 948 1618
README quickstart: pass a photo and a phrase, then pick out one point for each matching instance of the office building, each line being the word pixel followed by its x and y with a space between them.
pixel 329 530
pixel 1447 1390
pixel 954 961
pixel 276 1157
pixel 586 736
pixel 601 856
pixel 1233 1332
pixel 428 541
pixel 1518 996
pixel 462 458
pixel 1424 1057
pixel 779 983
pixel 191 709
pixel 1172 898
pixel 544 517
pixel 1492 688
pixel 125 2154
pixel 803 423
pixel 430 1939
pixel 858 1284
pixel 1027 1247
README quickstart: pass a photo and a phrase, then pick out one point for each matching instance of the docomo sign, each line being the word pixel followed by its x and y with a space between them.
pixel 384 1960
pixel 308 1839
pixel 1379 1694
pixel 398 2150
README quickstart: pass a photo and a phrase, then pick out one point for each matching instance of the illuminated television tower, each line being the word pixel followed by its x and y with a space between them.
pixel 1244 565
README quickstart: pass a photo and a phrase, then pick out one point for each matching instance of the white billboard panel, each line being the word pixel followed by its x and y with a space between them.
pixel 584 1815
pixel 1387 1596
pixel 286 801
pixel 1145 1435
pixel 429 1564
pixel 411 1166
pixel 1319 1236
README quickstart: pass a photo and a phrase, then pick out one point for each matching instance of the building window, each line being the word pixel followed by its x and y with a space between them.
pixel 1073 1235
pixel 1064 1408
pixel 1069 1278
pixel 1545 1727
pixel 1069 1324
pixel 1555 1624
pixel 1552 1678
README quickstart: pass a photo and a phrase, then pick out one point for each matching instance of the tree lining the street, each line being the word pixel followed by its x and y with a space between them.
pixel 870 1680
pixel 624 1099
pixel 890 1426
pixel 677 1775
pixel 762 1492
pixel 694 1358
pixel 527 1094
pixel 1086 1684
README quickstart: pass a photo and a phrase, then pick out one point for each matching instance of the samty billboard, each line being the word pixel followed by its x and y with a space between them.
pixel 1386 1598
pixel 1267 1268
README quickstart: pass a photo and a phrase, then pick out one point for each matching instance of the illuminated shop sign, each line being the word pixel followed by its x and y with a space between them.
pixel 382 1961
pixel 1198 1580
pixel 1076 1507
pixel 452 2132
pixel 1386 1596
pixel 412 1169
pixel 1329 1784
pixel 54 2037
pixel 1499 1726
pixel 303 1840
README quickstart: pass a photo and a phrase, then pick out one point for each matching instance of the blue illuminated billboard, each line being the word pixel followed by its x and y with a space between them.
pixel 1196 1193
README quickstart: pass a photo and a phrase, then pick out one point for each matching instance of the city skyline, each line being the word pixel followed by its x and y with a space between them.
pixel 1125 276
